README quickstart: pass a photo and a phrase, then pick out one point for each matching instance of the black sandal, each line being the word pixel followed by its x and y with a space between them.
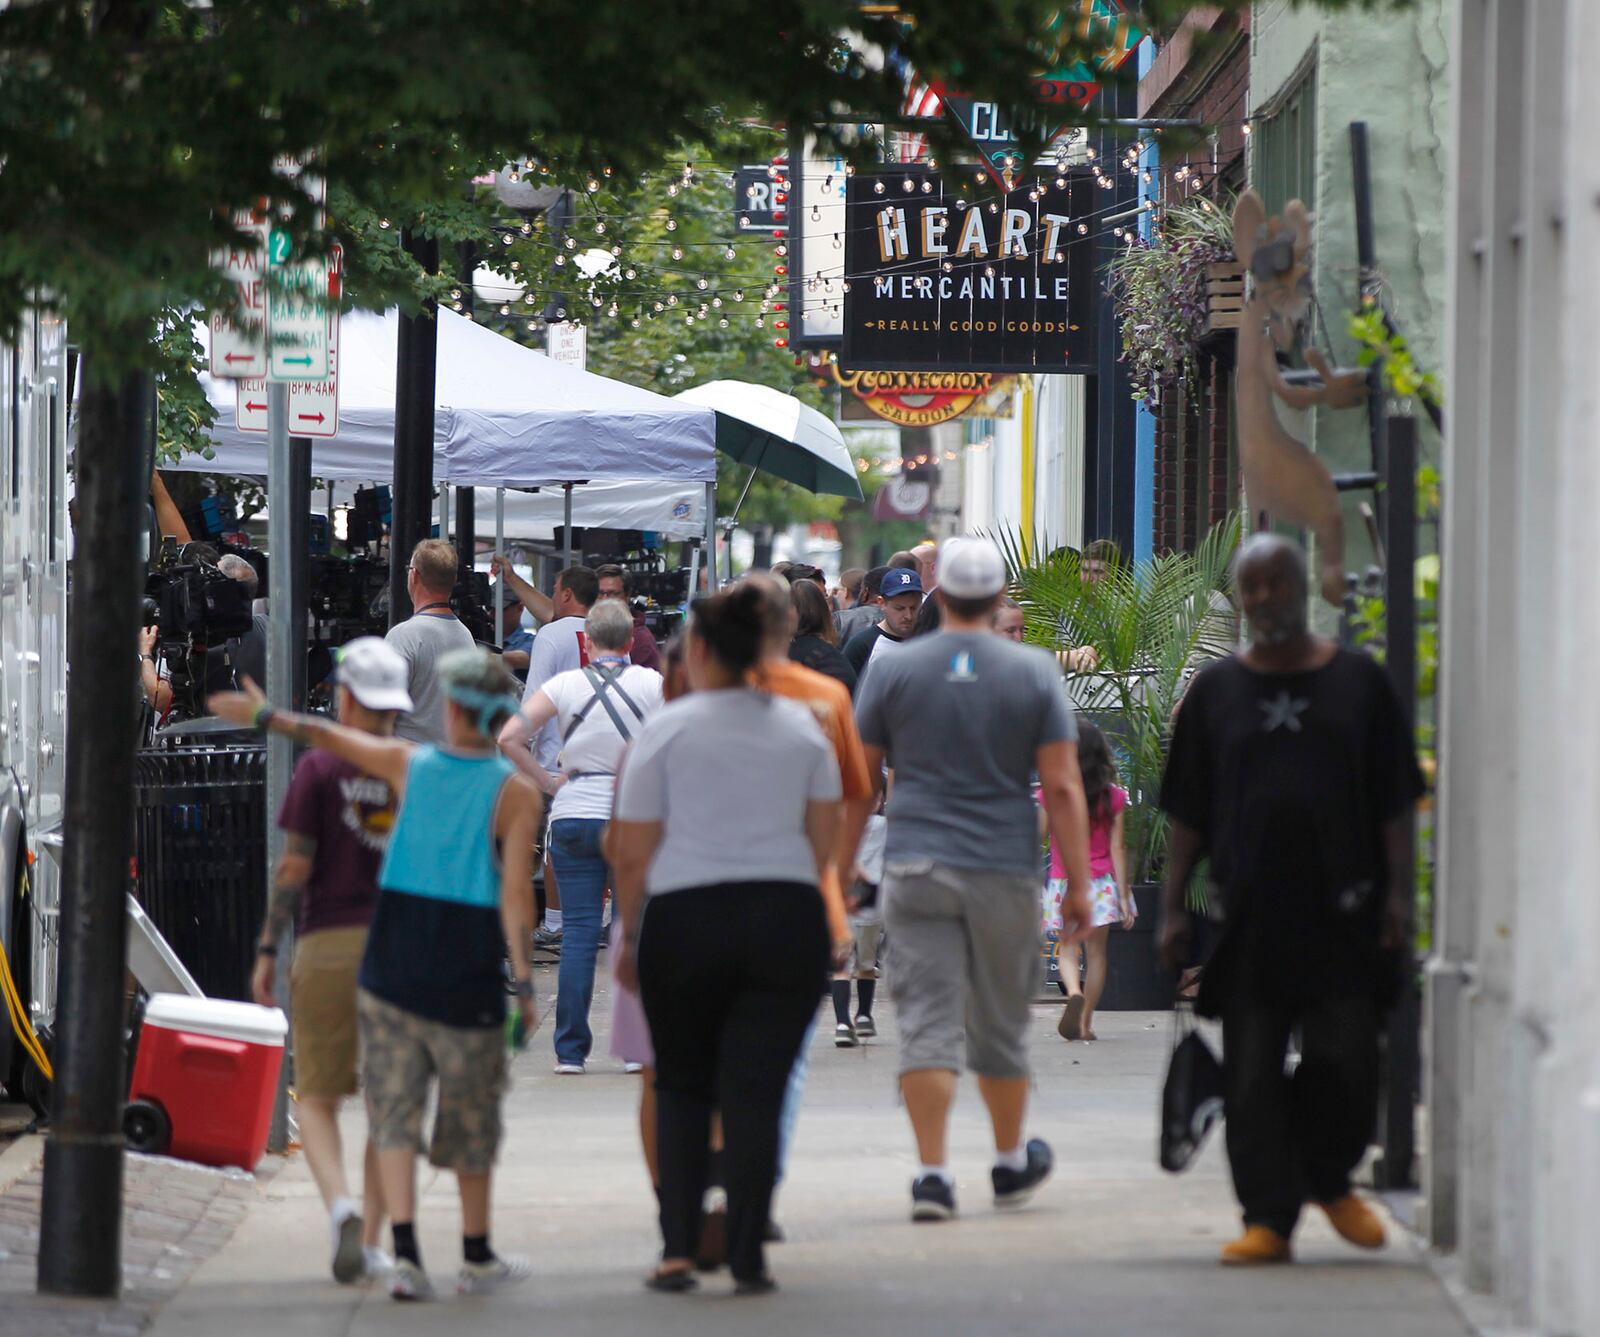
pixel 675 1282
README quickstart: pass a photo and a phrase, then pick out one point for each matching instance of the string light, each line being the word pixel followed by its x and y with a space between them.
pixel 672 225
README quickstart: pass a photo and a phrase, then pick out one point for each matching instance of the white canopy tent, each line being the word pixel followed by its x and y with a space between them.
pixel 506 416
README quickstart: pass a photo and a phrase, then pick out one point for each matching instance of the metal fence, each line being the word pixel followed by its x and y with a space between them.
pixel 200 847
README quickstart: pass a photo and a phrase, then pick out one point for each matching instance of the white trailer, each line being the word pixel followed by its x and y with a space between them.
pixel 35 393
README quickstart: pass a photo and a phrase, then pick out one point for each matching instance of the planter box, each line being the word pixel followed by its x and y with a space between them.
pixel 1135 981
pixel 1224 297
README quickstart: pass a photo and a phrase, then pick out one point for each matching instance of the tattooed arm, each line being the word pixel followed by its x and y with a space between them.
pixel 385 758
pixel 283 905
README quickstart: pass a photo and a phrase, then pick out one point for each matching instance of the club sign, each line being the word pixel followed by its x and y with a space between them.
pixel 946 281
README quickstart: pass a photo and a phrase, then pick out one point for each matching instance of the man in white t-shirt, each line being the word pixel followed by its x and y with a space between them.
pixel 596 710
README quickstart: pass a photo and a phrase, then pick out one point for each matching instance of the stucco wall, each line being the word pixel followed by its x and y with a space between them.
pixel 1387 67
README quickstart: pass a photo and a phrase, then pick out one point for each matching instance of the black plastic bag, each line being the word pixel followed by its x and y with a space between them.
pixel 1191 1099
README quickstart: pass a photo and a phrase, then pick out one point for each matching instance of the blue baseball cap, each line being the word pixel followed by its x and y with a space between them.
pixel 900 581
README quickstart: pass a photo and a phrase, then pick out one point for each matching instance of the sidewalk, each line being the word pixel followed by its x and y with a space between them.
pixel 1112 1245
pixel 175 1217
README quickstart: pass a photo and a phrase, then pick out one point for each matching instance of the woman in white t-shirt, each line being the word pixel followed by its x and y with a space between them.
pixel 725 815
pixel 599 709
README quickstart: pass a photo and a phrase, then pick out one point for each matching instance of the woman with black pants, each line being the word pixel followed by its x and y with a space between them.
pixel 725 812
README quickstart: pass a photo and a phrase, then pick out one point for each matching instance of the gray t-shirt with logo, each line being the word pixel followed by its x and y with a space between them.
pixel 960 716
pixel 422 640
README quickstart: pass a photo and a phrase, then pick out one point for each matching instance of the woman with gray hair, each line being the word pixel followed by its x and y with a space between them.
pixel 600 708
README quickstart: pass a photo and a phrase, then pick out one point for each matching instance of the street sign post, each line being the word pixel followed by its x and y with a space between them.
pixel 239 346
pixel 313 405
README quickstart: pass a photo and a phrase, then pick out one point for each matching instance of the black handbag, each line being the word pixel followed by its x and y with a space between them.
pixel 1191 1098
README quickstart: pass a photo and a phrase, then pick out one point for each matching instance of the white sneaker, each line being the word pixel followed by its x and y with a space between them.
pixel 569 1070
pixel 633 1069
pixel 347 1264
pixel 376 1261
pixel 477 1278
pixel 409 1282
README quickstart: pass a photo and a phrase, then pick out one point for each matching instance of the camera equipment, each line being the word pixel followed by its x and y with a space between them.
pixel 198 610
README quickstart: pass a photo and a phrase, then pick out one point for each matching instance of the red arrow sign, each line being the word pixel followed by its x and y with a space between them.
pixel 310 417
pixel 240 357
pixel 255 408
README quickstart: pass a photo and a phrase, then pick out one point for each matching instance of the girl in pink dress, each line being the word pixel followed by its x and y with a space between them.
pixel 1110 899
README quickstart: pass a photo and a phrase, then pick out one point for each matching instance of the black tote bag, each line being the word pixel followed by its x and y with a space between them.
pixel 1191 1098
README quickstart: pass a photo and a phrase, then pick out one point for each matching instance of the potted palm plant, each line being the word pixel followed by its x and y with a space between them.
pixel 1130 640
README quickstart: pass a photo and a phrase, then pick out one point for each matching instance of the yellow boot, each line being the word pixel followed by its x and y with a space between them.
pixel 1356 1222
pixel 1258 1245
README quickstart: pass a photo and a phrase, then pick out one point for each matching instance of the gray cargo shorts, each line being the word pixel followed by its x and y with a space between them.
pixel 964 965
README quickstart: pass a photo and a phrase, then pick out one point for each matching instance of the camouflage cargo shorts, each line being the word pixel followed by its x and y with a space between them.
pixel 401 1055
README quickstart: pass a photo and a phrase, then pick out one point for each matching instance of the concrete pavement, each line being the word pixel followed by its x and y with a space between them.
pixel 1112 1245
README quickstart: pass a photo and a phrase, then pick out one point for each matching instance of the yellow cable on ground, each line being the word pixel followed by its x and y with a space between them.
pixel 21 1027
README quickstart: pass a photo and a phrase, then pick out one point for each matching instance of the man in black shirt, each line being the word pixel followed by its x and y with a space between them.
pixel 901 591
pixel 1293 770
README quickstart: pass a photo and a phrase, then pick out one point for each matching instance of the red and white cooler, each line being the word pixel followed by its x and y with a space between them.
pixel 205 1079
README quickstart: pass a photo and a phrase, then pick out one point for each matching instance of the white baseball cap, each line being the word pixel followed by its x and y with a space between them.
pixel 375 674
pixel 970 569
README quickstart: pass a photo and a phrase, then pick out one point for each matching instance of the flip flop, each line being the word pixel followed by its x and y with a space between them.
pixel 1071 1023
pixel 672 1283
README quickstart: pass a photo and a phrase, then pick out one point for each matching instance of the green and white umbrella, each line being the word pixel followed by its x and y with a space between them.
pixel 777 434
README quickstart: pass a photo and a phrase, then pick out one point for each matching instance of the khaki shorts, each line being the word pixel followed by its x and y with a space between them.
pixel 322 1002
pixel 403 1054
pixel 965 966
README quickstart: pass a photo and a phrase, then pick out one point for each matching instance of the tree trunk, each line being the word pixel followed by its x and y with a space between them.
pixel 81 1218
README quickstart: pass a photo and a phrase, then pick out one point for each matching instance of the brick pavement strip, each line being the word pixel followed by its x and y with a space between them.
pixel 175 1217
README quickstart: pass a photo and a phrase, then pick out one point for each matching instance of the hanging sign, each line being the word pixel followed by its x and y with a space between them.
pixel 940 281
pixel 760 200
pixel 906 398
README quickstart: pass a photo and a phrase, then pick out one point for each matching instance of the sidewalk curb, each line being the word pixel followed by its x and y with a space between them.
pixel 20 1158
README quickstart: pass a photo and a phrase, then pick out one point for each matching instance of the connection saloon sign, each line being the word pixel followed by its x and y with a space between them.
pixel 947 281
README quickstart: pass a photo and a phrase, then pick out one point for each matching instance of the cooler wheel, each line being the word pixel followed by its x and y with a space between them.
pixel 146 1126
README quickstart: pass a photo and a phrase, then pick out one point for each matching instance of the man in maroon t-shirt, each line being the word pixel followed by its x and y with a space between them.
pixel 336 822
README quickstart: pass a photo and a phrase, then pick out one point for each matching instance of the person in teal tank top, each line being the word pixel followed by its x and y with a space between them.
pixel 455 895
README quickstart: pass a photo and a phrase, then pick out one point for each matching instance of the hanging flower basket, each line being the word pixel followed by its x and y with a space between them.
pixel 1166 293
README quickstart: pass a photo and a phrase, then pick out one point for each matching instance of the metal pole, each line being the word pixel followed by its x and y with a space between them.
pixel 280 673
pixel 80 1223
pixel 467 531
pixel 711 540
pixel 499 551
pixel 444 511
pixel 416 362
pixel 566 542
pixel 1402 1082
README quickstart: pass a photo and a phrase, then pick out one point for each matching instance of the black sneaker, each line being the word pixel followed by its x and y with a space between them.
pixel 932 1199
pixel 1012 1188
pixel 844 1036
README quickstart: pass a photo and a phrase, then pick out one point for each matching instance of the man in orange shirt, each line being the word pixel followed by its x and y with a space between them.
pixel 829 701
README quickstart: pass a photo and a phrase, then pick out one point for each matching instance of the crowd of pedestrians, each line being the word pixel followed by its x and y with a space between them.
pixel 804 792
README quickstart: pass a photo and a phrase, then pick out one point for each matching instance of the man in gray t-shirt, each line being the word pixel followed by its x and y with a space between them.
pixel 423 638
pixel 964 719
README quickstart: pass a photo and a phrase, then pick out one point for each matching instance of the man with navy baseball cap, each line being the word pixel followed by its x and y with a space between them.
pixel 902 598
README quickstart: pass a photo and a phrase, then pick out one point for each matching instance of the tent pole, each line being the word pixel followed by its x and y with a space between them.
pixel 499 551
pixel 444 511
pixel 711 540
pixel 566 529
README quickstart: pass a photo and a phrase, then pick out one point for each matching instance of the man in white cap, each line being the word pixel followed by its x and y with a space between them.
pixel 336 822
pixel 966 719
